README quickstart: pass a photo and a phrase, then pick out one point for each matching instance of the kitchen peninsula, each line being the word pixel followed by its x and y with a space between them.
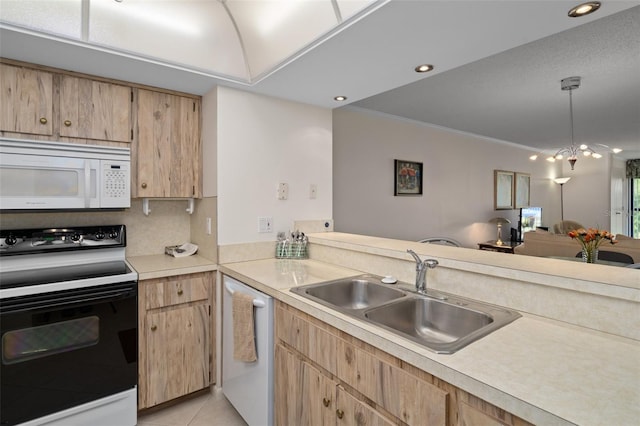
pixel 546 367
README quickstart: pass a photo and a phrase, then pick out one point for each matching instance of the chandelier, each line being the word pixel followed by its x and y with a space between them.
pixel 572 152
pixel 571 84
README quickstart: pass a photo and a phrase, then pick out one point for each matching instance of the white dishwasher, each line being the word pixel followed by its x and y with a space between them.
pixel 249 385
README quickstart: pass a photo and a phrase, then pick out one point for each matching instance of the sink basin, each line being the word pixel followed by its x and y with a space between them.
pixel 351 294
pixel 443 323
pixel 443 326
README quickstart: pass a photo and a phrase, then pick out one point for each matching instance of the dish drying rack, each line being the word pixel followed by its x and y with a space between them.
pixel 294 246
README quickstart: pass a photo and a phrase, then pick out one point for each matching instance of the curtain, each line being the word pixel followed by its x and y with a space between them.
pixel 633 168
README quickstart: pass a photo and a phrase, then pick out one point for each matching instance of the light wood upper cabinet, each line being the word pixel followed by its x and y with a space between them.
pixel 63 107
pixel 26 100
pixel 95 110
pixel 168 146
pixel 176 335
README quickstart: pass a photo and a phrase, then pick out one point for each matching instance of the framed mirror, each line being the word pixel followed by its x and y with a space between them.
pixel 523 185
pixel 503 189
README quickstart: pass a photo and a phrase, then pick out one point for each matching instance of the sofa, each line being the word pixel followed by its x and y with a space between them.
pixel 544 244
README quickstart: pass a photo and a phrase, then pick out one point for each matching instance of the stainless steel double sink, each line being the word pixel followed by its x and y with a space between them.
pixel 441 323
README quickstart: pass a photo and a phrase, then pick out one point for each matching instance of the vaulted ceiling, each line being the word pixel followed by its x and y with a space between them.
pixel 498 64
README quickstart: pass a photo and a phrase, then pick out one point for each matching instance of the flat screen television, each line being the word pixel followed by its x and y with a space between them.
pixel 530 219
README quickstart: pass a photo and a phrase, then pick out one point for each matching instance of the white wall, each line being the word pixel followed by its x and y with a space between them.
pixel 457 199
pixel 209 134
pixel 262 141
pixel 587 196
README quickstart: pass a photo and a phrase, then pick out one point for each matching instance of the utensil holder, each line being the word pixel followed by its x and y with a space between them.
pixel 291 250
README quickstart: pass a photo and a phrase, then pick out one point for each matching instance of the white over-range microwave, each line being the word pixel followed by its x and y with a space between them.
pixel 50 175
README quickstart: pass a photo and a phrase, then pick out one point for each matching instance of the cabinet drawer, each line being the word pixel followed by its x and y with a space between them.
pixel 176 290
pixel 308 339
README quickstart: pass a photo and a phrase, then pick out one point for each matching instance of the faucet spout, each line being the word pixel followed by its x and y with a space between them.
pixel 415 256
pixel 421 271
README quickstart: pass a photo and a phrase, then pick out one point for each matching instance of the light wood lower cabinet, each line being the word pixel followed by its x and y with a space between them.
pixel 306 396
pixel 300 391
pixel 176 337
pixel 325 376
pixel 351 411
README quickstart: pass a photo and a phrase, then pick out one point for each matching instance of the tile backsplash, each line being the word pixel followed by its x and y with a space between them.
pixel 167 224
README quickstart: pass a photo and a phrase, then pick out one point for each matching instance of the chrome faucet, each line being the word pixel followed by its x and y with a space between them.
pixel 421 271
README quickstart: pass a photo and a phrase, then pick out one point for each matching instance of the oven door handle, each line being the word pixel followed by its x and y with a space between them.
pixel 82 296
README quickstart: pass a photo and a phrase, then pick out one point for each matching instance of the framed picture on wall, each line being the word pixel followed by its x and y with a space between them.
pixel 407 178
pixel 503 189
pixel 523 187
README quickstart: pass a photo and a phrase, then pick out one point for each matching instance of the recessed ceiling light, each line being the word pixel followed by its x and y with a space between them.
pixel 584 9
pixel 340 98
pixel 424 68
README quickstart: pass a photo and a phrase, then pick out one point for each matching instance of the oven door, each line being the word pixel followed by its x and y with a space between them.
pixel 66 348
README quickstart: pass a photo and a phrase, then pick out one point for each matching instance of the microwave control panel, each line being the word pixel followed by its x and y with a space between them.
pixel 116 183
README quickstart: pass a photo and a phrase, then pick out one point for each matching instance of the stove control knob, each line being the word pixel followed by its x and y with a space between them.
pixel 75 238
pixel 99 235
pixel 10 240
pixel 113 234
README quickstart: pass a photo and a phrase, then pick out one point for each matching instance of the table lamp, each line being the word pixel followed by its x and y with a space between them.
pixel 499 221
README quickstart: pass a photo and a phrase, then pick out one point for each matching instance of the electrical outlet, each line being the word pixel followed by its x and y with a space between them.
pixel 265 224
pixel 208 226
pixel 313 191
pixel 283 191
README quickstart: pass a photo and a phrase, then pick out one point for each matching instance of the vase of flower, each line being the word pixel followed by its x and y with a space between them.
pixel 590 240
pixel 589 255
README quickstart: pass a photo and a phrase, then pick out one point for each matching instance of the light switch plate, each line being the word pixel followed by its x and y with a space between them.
pixel 265 224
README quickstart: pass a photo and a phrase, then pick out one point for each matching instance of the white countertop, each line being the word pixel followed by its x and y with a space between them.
pixel 544 371
pixel 162 265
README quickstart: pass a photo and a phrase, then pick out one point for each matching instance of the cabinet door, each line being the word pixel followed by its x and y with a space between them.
pixel 177 343
pixel 303 395
pixel 94 110
pixel 26 100
pixel 320 395
pixel 403 395
pixel 351 411
pixel 168 148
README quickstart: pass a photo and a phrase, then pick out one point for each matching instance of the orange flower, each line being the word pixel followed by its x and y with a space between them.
pixel 592 238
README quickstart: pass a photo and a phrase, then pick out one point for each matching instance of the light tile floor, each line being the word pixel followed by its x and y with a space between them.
pixel 211 409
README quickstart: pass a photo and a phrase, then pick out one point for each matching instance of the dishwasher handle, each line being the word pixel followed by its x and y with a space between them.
pixel 257 303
